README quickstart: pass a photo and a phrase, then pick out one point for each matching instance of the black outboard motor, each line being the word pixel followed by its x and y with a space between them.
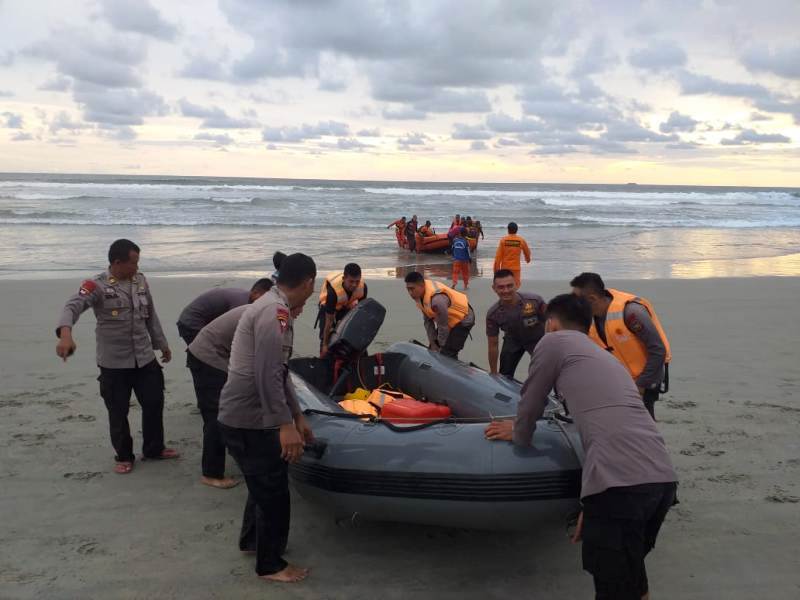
pixel 353 335
pixel 356 331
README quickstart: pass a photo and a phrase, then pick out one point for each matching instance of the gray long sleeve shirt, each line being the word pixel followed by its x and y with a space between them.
pixel 210 305
pixel 213 344
pixel 622 445
pixel 128 328
pixel 438 328
pixel 638 320
pixel 259 393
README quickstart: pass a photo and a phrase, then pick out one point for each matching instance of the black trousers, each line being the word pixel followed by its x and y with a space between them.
pixel 455 340
pixel 620 527
pixel 510 356
pixel 649 398
pixel 412 241
pixel 268 509
pixel 147 383
pixel 208 384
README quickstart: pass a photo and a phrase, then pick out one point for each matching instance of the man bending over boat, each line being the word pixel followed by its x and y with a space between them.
pixel 628 483
pixel 447 313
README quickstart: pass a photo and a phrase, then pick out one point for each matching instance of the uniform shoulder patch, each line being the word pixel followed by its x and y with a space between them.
pixel 633 323
pixel 282 314
pixel 87 287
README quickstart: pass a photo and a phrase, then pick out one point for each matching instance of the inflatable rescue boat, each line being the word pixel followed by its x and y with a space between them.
pixel 400 437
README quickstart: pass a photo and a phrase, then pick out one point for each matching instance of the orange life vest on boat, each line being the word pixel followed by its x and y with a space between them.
pixel 620 340
pixel 459 303
pixel 342 299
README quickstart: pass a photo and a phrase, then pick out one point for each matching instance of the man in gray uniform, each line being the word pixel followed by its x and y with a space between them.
pixel 520 315
pixel 628 482
pixel 635 318
pixel 211 304
pixel 127 331
pixel 260 418
pixel 207 358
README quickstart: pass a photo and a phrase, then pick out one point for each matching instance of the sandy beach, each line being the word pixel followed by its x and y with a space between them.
pixel 73 529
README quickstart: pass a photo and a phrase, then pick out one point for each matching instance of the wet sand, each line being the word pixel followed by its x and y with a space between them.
pixel 73 529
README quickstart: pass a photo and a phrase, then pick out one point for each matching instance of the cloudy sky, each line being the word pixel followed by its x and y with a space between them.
pixel 678 91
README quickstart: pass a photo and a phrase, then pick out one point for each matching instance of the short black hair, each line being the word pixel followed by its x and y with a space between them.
pixel 415 277
pixel 503 273
pixel 296 269
pixel 573 311
pixel 262 285
pixel 352 270
pixel 512 227
pixel 277 259
pixel 427 222
pixel 589 281
pixel 121 250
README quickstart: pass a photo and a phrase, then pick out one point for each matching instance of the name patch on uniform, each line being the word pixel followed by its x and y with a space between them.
pixel 283 318
pixel 512 243
pixel 87 287
pixel 529 308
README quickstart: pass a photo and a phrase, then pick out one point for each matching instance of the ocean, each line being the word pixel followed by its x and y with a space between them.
pixel 61 226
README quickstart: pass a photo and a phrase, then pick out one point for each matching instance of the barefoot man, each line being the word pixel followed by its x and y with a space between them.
pixel 127 331
pixel 260 419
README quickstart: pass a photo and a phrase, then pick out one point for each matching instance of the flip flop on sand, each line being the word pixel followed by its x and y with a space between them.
pixel 123 468
pixel 291 574
pixel 225 483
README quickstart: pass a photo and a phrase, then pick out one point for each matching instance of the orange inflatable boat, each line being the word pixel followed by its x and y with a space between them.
pixel 439 242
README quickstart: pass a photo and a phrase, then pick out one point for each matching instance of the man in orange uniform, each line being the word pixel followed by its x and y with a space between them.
pixel 447 313
pixel 508 253
pixel 628 327
pixel 400 230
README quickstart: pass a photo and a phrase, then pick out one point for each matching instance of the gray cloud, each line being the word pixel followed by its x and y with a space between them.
pixel 596 58
pixel 213 117
pixel 305 131
pixel 452 101
pixel 12 120
pixel 630 131
pixel 682 146
pixel 202 67
pixel 462 131
pixel 21 137
pixel 62 121
pixel 553 150
pixel 694 84
pixel 58 83
pixel 219 139
pixel 783 60
pixel 478 145
pixel 678 122
pixel 107 62
pixel 350 144
pixel 658 56
pixel 138 16
pixel 756 116
pixel 750 136
pixel 118 106
pixel 7 58
pixel 412 139
pixel 503 123
pixel 369 133
pixel 6 94
pixel 507 142
pixel 405 113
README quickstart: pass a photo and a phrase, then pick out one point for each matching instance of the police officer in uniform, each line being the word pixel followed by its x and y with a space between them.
pixel 520 315
pixel 127 331
pixel 260 418
pixel 627 326
pixel 340 293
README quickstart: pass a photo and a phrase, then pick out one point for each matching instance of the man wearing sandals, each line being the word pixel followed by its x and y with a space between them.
pixel 127 331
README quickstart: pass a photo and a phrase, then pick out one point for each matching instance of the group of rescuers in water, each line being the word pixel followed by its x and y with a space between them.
pixel 602 350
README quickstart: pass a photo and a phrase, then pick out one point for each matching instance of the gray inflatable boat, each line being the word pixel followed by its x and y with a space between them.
pixel 440 472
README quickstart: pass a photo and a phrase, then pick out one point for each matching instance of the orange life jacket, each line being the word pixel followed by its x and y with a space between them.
pixel 459 303
pixel 342 300
pixel 425 231
pixel 620 340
